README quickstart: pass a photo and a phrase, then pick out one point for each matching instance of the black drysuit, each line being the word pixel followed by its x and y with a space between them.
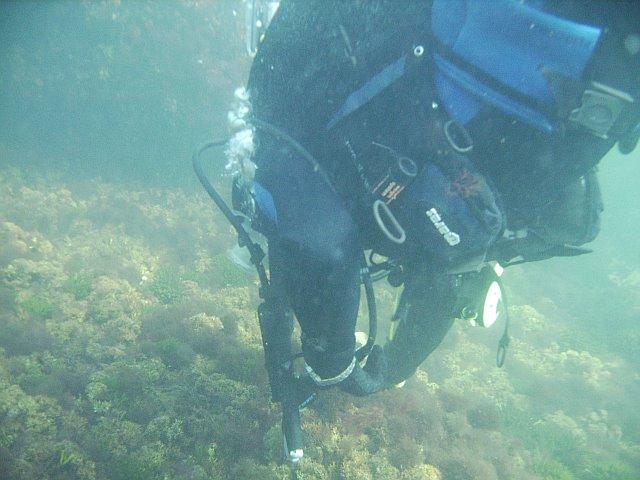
pixel 315 55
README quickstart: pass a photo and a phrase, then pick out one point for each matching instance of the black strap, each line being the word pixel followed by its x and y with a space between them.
pixel 504 341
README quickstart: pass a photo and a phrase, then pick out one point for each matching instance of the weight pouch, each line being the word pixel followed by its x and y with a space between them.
pixel 450 210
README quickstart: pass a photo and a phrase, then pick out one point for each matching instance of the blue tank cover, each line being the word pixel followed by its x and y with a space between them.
pixel 266 214
pixel 509 44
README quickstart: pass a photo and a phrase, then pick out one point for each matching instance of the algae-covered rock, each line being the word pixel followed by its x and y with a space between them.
pixel 167 286
pixel 15 242
pixel 79 285
pixel 422 472
pixel 202 324
pixel 130 349
pixel 312 470
pixel 549 468
pixel 356 466
pixel 247 469
pixel 37 307
pixel 114 299
pixel 27 274
pixel 382 467
pixel 466 468
pixel 33 428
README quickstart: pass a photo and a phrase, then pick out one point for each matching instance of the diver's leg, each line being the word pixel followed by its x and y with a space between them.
pixel 325 294
pixel 320 256
pixel 276 321
pixel 424 318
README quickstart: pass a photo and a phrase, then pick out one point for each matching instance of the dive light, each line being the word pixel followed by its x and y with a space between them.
pixel 480 298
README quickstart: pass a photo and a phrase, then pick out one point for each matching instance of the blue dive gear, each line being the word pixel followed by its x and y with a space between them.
pixel 513 56
pixel 497 52
pixel 266 207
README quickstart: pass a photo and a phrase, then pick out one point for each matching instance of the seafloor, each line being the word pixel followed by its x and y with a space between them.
pixel 129 349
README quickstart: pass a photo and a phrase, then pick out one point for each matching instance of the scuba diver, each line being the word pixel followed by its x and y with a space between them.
pixel 445 138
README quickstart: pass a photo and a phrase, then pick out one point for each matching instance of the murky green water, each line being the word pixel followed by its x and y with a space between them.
pixel 128 342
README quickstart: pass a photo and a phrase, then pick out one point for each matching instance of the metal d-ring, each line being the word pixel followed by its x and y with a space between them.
pixel 402 236
pixel 407 166
pixel 463 132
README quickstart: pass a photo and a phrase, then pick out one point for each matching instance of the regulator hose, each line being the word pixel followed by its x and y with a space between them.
pixel 244 240
pixel 291 425
pixel 503 343
pixel 365 350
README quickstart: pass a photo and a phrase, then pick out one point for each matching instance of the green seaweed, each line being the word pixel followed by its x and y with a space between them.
pixel 151 366
pixel 79 285
pixel 174 353
pixel 167 285
pixel 608 470
pixel 37 307
pixel 227 273
pixel 549 469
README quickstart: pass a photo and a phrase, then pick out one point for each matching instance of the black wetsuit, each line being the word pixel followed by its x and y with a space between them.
pixel 315 55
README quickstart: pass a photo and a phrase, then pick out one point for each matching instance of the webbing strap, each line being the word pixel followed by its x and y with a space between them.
pixel 371 88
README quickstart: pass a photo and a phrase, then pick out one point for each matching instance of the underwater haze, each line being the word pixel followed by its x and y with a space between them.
pixel 117 89
pixel 129 344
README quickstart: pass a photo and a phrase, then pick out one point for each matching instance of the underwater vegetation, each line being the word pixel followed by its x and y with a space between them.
pixel 129 349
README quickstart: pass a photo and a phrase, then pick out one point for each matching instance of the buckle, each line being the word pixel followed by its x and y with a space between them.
pixel 329 382
pixel 601 108
pixel 458 137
